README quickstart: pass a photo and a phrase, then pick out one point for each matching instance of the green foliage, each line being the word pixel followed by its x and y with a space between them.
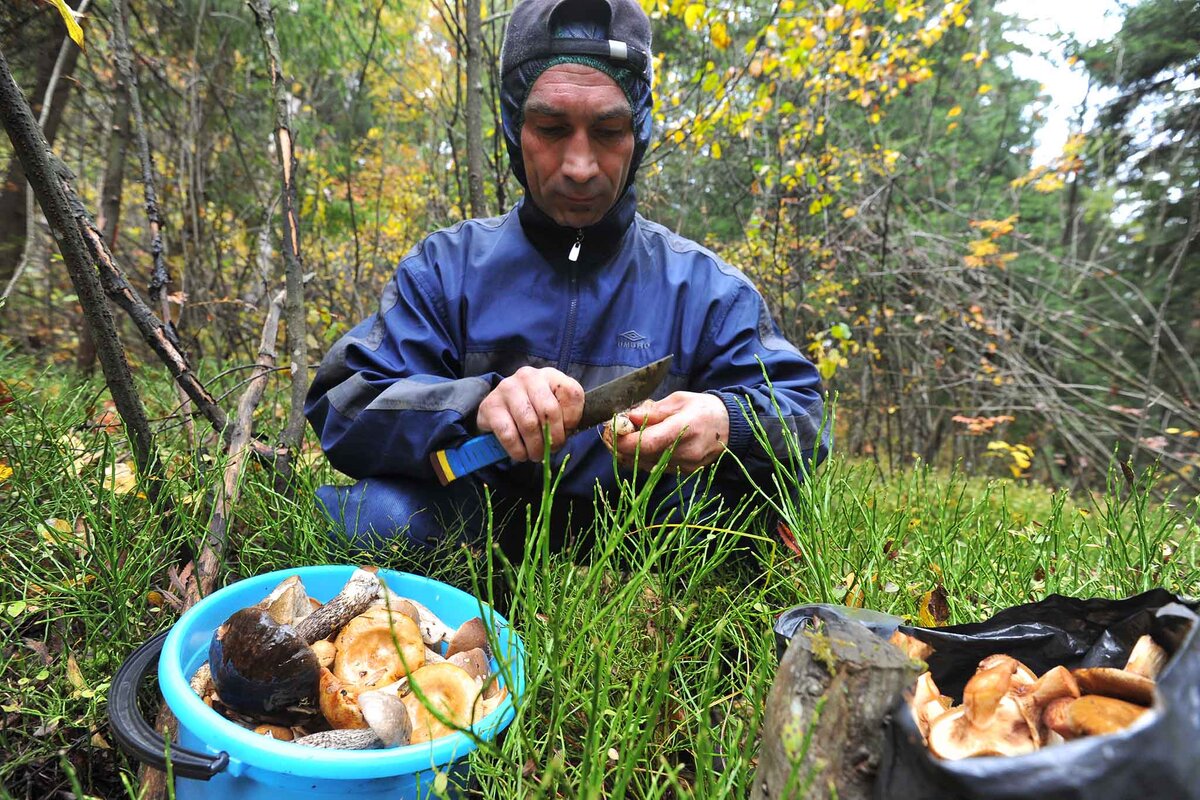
pixel 649 656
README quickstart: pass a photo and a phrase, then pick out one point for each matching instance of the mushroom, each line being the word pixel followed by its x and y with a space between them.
pixel 1032 698
pixel 474 662
pixel 262 667
pixel 387 716
pixel 1096 715
pixel 927 703
pixel 325 650
pixel 619 425
pixel 1054 718
pixel 342 739
pixel 374 649
pixel 288 603
pixel 1147 658
pixel 280 732
pixel 913 647
pixel 1118 683
pixel 989 722
pixel 339 702
pixel 1021 674
pixel 446 688
pixel 470 635
pixel 433 630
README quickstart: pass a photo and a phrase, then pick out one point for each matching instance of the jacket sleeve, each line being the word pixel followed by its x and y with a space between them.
pixel 391 391
pixel 759 374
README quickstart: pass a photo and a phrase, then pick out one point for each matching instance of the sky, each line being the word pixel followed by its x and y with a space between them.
pixel 1087 21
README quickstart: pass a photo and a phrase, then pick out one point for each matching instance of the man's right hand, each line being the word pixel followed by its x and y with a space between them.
pixel 518 408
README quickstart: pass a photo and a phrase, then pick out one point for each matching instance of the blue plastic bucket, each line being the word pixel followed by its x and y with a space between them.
pixel 243 764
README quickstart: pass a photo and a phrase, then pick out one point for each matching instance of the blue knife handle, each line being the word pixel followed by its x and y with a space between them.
pixel 476 453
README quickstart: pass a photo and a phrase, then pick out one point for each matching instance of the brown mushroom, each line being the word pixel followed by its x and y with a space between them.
pixel 473 661
pixel 470 635
pixel 1032 699
pixel 339 702
pixel 1021 674
pixel 1147 658
pixel 1055 720
pixel 325 652
pixel 446 688
pixel 387 716
pixel 1117 683
pixel 989 722
pixel 281 732
pixel 374 650
pixel 927 703
pixel 913 647
pixel 1094 714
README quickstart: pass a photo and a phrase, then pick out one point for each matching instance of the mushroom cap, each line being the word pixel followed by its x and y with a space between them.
pixel 288 602
pixel 1119 683
pixel 927 703
pixel 983 693
pixel 325 651
pixel 470 635
pixel 474 661
pixel 387 716
pixel 1021 674
pixel 259 666
pixel 1094 714
pixel 913 647
pixel 373 651
pixel 1055 719
pixel 1032 698
pixel 281 732
pixel 339 702
pixel 446 687
pixel 952 736
pixel 1147 658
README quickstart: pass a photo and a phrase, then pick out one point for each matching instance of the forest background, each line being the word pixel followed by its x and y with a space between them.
pixel 869 163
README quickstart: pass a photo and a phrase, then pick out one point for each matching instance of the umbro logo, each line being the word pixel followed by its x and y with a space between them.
pixel 633 339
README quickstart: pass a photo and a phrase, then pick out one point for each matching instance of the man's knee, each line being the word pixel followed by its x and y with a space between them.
pixel 375 511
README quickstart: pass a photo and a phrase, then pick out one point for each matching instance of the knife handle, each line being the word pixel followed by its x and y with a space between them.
pixel 475 453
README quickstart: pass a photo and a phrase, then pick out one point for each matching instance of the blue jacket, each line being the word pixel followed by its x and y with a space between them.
pixel 471 304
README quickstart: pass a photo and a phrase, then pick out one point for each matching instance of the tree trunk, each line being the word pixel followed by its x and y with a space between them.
pixel 822 734
pixel 293 265
pixel 475 109
pixel 45 176
pixel 110 204
pixel 41 35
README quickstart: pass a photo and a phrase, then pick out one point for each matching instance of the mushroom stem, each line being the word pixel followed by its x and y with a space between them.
pixel 342 739
pixel 351 601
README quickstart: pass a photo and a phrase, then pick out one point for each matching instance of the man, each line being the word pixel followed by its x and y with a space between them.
pixel 501 324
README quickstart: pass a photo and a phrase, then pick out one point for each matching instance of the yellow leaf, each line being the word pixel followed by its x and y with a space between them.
pixel 715 150
pixel 849 212
pixel 119 478
pixel 73 674
pixel 720 36
pixel 6 472
pixel 933 611
pixel 56 530
pixel 954 112
pixel 693 14
pixel 73 29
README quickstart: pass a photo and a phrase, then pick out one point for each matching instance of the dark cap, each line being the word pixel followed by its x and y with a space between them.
pixel 530 34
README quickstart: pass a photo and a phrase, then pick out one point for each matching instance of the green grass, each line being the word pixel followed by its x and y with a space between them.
pixel 649 657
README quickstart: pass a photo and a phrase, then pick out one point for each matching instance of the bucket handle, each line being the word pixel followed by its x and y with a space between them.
pixel 137 737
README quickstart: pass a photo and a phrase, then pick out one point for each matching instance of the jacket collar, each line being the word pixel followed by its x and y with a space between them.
pixel 598 244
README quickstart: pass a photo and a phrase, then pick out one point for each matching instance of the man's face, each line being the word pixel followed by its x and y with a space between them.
pixel 577 143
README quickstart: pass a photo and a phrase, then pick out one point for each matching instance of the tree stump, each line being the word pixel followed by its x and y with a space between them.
pixel 822 734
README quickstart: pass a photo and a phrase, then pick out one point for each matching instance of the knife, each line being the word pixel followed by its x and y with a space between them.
pixel 599 405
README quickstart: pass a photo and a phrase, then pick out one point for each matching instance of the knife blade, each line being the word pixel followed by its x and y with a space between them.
pixel 599 404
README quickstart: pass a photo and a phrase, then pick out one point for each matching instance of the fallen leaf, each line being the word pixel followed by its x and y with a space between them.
pixel 74 676
pixel 119 478
pixel 99 742
pixel 6 472
pixel 934 611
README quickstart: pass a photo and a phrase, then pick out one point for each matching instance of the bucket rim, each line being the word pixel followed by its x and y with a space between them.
pixel 255 750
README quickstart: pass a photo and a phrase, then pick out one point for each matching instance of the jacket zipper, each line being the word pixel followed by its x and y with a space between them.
pixel 568 341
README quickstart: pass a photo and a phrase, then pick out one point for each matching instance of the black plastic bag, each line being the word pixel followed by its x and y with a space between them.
pixel 1158 757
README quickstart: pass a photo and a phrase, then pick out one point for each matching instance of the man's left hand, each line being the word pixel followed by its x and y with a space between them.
pixel 696 424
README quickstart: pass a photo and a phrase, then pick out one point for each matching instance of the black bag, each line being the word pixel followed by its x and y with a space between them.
pixel 1158 757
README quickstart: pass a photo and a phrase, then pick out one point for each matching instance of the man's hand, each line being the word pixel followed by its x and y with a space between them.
pixel 521 404
pixel 700 423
